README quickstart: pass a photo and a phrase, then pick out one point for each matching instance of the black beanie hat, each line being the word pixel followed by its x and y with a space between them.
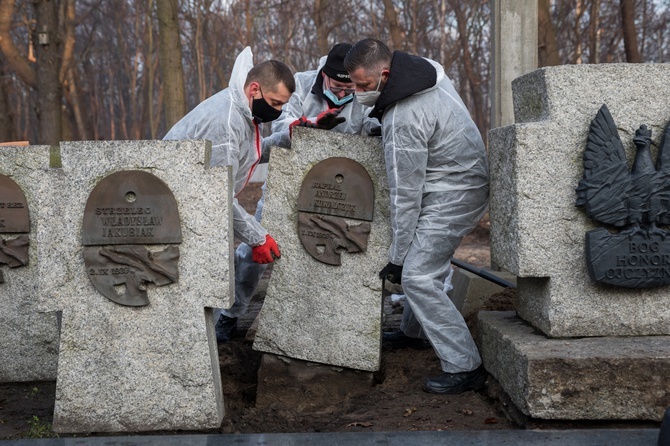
pixel 334 67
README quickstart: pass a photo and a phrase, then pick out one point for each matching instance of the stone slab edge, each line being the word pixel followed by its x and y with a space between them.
pixel 608 378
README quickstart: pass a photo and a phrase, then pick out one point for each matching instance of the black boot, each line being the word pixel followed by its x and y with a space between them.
pixel 225 328
pixel 394 340
pixel 452 383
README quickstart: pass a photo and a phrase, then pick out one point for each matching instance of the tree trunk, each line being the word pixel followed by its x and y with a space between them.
pixel 6 116
pixel 47 40
pixel 394 28
pixel 547 45
pixel 24 69
pixel 629 34
pixel 594 31
pixel 170 61
pixel 474 78
pixel 321 24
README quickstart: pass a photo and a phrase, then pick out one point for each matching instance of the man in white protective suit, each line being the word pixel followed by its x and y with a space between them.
pixel 232 119
pixel 438 184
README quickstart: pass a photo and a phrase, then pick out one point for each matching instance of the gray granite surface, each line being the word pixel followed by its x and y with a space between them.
pixel 314 311
pixel 607 378
pixel 537 232
pixel 28 338
pixel 130 369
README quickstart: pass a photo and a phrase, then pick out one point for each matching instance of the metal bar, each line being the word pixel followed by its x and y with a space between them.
pixel 482 273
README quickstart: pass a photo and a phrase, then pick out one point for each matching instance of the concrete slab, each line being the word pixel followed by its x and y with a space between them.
pixel 607 378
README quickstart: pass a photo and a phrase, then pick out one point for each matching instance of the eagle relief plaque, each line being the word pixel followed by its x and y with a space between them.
pixel 126 211
pixel 335 208
pixel 633 249
pixel 14 219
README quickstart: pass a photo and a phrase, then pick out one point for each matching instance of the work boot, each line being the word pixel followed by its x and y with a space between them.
pixel 394 340
pixel 225 328
pixel 453 383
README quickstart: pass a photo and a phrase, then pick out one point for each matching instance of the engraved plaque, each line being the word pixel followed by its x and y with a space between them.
pixel 633 204
pixel 126 210
pixel 131 207
pixel 338 186
pixel 14 216
pixel 14 219
pixel 335 204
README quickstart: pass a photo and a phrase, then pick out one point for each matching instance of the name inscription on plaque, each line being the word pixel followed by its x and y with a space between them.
pixel 126 210
pixel 335 189
pixel 14 219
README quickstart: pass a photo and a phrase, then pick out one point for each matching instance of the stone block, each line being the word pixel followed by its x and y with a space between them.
pixel 314 311
pixel 308 387
pixel 606 378
pixel 28 338
pixel 471 291
pixel 153 367
pixel 537 232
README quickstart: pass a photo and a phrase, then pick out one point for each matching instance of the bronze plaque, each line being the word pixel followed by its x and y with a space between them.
pixel 334 194
pixel 131 208
pixel 14 216
pixel 125 210
pixel 338 186
pixel 14 219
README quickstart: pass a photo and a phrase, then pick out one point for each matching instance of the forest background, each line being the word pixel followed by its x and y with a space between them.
pixel 122 69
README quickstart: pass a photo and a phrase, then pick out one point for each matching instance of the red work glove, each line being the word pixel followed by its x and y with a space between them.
pixel 329 119
pixel 301 122
pixel 267 252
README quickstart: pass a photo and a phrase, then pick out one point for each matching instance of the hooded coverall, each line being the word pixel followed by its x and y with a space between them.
pixel 438 183
pixel 307 100
pixel 226 120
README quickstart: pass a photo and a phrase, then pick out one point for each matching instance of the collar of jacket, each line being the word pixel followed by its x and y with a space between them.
pixel 409 74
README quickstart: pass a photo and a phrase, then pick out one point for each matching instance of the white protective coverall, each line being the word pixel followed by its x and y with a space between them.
pixel 308 100
pixel 438 183
pixel 226 120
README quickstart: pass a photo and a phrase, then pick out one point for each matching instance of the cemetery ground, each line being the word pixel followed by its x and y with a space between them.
pixel 395 403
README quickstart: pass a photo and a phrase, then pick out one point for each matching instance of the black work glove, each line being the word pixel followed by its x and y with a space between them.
pixel 328 119
pixel 392 273
pixel 375 131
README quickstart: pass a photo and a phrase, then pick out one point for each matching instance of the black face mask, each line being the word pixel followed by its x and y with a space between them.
pixel 262 111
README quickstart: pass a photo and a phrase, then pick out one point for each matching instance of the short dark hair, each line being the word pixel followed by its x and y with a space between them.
pixel 371 54
pixel 270 74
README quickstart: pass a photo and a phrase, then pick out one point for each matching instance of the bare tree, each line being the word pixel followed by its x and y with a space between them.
pixel 170 61
pixel 547 45
pixel 629 32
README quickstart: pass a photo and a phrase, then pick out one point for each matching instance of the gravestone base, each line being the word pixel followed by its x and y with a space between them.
pixel 472 291
pixel 308 387
pixel 605 378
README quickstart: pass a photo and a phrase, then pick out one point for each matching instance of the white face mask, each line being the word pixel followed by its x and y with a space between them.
pixel 369 98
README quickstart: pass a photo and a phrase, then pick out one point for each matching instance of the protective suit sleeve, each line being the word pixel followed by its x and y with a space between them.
pixel 245 226
pixel 405 139
pixel 369 123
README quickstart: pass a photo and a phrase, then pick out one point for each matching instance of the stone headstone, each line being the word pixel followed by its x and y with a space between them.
pixel 28 338
pixel 539 234
pixel 537 231
pixel 315 311
pixel 128 368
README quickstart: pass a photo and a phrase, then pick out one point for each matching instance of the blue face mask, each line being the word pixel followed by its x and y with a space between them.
pixel 335 100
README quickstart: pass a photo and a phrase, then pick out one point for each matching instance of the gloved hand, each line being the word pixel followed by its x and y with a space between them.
pixel 375 131
pixel 300 122
pixel 392 273
pixel 267 252
pixel 329 119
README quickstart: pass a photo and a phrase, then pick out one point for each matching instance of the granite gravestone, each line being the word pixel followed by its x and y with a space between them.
pixel 28 338
pixel 315 310
pixel 129 368
pixel 539 234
